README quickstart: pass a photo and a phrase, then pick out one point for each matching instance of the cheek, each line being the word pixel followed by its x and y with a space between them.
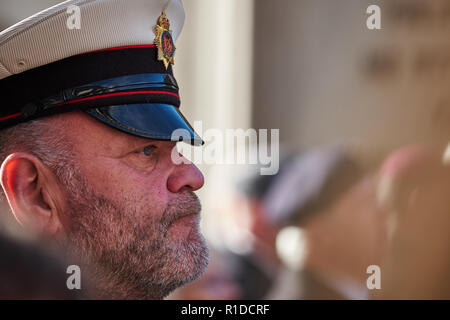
pixel 146 191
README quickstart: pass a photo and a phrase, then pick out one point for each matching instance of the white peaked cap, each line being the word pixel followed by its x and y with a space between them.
pixel 109 58
pixel 44 37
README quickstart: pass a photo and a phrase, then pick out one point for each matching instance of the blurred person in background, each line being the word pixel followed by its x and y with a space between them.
pixel 336 228
pixel 415 188
pixel 256 269
pixel 339 228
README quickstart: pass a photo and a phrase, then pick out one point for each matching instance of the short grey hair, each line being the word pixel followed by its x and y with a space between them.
pixel 43 139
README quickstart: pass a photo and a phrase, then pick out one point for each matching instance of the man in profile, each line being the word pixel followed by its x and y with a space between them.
pixel 86 144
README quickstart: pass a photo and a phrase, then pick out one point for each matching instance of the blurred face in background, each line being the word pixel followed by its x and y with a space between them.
pixel 350 235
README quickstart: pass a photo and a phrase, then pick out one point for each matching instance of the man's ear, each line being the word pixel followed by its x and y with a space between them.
pixel 33 193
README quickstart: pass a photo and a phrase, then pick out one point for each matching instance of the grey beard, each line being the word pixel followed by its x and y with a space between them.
pixel 129 259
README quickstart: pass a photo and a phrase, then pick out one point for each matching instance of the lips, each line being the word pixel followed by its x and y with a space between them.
pixel 185 205
pixel 190 219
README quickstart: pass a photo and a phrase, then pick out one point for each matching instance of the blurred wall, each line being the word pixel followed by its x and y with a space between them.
pixel 323 77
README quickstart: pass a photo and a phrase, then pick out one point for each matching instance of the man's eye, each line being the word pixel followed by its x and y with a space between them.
pixel 148 150
pixel 144 158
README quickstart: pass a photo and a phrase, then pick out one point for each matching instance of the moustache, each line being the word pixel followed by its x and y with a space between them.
pixel 185 204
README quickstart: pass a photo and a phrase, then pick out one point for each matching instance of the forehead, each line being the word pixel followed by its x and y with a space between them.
pixel 86 132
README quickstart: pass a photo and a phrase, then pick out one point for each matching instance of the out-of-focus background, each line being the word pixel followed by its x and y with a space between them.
pixel 313 70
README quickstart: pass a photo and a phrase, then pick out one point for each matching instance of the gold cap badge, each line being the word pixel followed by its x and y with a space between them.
pixel 164 41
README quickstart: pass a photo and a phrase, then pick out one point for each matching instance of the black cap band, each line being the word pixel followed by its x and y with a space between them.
pixel 47 89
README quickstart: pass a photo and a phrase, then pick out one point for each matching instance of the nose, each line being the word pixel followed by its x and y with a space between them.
pixel 185 176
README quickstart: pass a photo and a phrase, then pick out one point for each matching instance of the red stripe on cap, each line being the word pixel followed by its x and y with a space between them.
pixel 10 116
pixel 123 47
pixel 118 94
